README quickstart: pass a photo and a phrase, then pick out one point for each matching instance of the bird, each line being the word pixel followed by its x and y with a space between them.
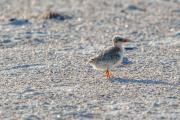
pixel 110 57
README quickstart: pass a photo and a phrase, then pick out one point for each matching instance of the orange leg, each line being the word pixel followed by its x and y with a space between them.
pixel 108 73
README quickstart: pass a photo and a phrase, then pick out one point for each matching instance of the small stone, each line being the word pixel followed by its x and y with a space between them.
pixel 58 116
pixel 126 26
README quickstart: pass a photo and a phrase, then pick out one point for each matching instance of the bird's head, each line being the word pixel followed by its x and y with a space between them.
pixel 118 41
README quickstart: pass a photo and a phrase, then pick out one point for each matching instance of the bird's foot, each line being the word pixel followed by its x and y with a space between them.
pixel 108 74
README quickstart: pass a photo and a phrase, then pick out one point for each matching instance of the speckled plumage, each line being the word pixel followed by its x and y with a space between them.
pixel 110 57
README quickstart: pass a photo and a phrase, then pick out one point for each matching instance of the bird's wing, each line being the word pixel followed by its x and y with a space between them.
pixel 110 55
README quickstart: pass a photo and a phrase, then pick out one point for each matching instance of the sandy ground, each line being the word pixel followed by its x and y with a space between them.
pixel 43 63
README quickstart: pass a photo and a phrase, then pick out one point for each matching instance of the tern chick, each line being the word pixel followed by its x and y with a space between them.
pixel 110 57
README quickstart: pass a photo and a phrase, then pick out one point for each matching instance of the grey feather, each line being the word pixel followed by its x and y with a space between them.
pixel 109 57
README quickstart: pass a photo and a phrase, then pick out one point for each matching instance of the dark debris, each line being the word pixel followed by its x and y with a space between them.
pixel 55 15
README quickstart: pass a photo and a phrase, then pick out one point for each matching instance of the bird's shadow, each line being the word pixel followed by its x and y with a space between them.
pixel 147 82
pixel 126 61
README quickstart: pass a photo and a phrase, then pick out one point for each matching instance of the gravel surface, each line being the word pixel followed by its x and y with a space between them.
pixel 43 62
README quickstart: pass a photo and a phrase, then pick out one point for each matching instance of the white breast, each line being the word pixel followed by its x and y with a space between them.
pixel 120 60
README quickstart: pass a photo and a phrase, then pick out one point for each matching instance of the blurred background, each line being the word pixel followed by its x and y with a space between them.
pixel 45 46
